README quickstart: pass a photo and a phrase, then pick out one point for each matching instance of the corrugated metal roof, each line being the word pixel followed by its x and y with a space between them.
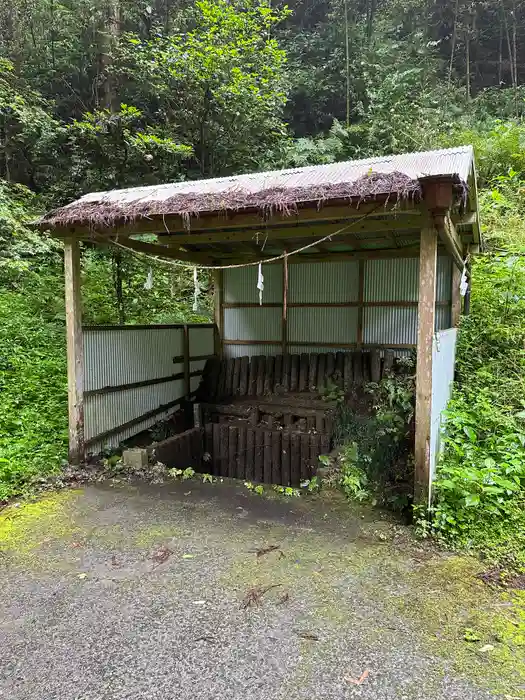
pixel 451 161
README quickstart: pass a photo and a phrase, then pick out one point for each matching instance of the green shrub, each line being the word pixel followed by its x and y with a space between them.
pixel 33 394
pixel 480 486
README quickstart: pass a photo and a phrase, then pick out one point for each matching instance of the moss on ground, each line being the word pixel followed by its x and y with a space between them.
pixel 27 526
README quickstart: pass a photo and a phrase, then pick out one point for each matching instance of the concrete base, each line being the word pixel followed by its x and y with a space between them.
pixel 135 458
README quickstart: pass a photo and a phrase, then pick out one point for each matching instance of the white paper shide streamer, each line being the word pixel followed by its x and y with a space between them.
pixel 463 285
pixel 196 290
pixel 260 284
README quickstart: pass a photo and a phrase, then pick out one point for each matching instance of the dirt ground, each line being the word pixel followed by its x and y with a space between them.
pixel 191 590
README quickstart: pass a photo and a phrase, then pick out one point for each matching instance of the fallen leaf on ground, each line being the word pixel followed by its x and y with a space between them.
pixel 161 555
pixel 81 576
pixel 254 595
pixel 487 647
pixel 188 556
pixel 361 679
pixel 266 550
pixel 308 635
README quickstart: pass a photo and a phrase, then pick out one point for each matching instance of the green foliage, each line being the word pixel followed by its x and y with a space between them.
pixel 33 393
pixel 375 459
pixel 480 489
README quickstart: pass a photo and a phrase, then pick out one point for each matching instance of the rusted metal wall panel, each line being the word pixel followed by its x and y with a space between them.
pixel 323 283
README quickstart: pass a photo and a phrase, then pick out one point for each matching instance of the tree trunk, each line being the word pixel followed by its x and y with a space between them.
pixel 116 259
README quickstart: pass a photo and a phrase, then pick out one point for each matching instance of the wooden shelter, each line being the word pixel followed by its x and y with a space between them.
pixel 321 230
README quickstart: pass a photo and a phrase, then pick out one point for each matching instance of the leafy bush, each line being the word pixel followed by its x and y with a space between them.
pixel 375 459
pixel 480 487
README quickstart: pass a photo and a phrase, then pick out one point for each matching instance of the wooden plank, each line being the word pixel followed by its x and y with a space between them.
pixel 261 370
pixel 315 442
pixel 218 300
pixel 259 456
pixel 324 448
pixel 295 458
pixel 241 452
pixel 456 296
pixel 267 471
pixel 186 353
pixel 339 368
pixel 223 449
pixel 221 386
pixel 75 351
pixel 252 377
pixel 236 376
pixel 243 380
pixel 286 373
pixel 303 371
pixel 426 320
pixel 388 364
pixel 348 376
pixel 254 416
pixel 232 451
pixel 285 458
pixel 319 421
pixel 276 458
pixel 310 422
pixel 228 387
pixel 321 372
pixel 216 452
pixel 357 363
pixel 250 454
pixel 208 448
pixel 268 379
pixel 330 366
pixel 375 366
pixel 312 374
pixel 294 372
pixel 365 356
pixel 278 373
pixel 305 456
pixel 197 415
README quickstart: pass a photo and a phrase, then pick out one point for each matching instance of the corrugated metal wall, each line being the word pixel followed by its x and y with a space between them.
pixel 443 362
pixel 324 305
pixel 117 357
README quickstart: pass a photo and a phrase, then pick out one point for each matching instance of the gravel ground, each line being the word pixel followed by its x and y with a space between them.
pixel 122 591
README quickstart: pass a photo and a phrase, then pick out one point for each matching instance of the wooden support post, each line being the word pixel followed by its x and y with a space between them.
pixel 75 351
pixel 426 320
pixel 186 361
pixel 456 296
pixel 284 322
pixel 218 299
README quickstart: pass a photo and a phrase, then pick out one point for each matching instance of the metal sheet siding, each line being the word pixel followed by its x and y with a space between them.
pixel 240 284
pixel 458 160
pixel 322 325
pixel 443 363
pixel 253 323
pixel 326 282
pixel 444 278
pixel 385 325
pixel 395 279
pixel 113 357
pixel 201 341
pixel 251 350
